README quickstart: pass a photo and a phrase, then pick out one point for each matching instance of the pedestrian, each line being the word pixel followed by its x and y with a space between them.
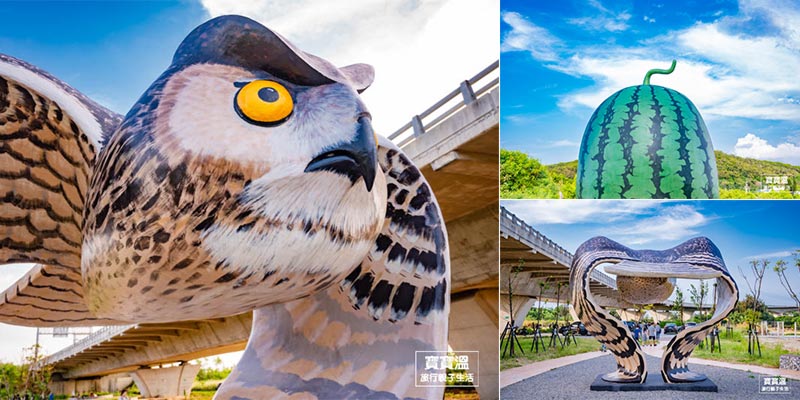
pixel 658 332
pixel 651 332
pixel 636 331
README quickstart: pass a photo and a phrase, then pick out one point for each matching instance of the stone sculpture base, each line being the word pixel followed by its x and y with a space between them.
pixel 654 382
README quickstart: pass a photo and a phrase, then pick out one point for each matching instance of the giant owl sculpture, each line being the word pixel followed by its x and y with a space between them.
pixel 247 177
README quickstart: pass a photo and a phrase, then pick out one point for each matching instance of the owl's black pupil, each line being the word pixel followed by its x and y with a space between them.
pixel 268 94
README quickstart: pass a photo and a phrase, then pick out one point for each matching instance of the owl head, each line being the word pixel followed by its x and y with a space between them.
pixel 287 195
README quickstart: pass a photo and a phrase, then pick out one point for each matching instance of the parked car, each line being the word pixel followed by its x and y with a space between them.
pixel 576 327
pixel 524 331
pixel 689 325
pixel 671 327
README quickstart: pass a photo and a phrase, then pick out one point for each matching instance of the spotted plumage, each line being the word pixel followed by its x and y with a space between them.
pixel 696 258
pixel 195 205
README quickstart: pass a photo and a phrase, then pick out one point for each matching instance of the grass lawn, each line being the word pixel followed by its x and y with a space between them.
pixel 734 350
pixel 202 394
pixel 584 345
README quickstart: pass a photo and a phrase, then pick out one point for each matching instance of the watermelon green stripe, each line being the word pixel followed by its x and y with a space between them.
pixel 588 179
pixel 647 141
pixel 652 152
pixel 672 161
pixel 683 140
pixel 640 177
pixel 697 159
pixel 602 140
pixel 626 141
pixel 613 167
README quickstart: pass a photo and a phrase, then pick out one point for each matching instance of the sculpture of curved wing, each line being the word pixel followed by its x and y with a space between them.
pixel 697 258
pixel 50 135
pixel 631 365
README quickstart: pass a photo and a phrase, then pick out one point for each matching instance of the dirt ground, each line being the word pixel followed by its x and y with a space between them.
pixel 789 343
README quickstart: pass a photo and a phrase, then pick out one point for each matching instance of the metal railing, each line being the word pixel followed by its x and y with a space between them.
pixel 434 115
pixel 545 245
pixel 95 338
pixel 537 239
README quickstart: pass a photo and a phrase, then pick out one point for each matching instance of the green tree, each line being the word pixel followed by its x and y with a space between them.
pixel 697 296
pixel 520 173
pixel 10 380
pixel 677 305
pixel 750 303
pixel 780 269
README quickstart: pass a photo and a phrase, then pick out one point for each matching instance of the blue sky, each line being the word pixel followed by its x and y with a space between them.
pixel 113 50
pixel 743 230
pixel 737 62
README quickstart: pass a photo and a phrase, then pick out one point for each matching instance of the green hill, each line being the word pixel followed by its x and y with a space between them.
pixel 734 173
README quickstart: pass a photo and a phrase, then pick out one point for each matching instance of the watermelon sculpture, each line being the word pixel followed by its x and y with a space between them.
pixel 647 142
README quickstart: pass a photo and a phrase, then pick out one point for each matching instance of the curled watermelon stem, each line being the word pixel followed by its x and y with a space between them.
pixel 659 71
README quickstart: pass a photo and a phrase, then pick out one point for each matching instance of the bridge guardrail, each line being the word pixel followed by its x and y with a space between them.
pixel 420 123
pixel 96 337
pixel 546 245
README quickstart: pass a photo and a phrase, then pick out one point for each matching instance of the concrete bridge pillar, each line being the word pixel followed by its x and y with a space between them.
pixel 627 315
pixel 107 383
pixel 521 304
pixel 473 320
pixel 659 316
pixel 170 382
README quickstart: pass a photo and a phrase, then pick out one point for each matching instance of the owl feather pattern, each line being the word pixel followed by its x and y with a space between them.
pixel 203 202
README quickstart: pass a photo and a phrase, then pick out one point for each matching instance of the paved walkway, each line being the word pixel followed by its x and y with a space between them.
pixel 555 378
pixel 572 382
pixel 658 351
pixel 514 375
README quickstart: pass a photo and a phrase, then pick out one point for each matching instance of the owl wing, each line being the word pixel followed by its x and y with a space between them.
pixel 407 274
pixel 49 136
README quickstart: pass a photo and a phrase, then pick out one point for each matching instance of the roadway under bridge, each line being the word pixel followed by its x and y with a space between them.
pixel 454 142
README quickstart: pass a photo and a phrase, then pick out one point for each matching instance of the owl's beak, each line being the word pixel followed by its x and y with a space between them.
pixel 354 159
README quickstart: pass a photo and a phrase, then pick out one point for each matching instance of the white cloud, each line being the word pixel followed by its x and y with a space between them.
pixel 527 36
pixel 421 50
pixel 752 146
pixel 561 143
pixel 634 222
pixel 724 72
pixel 602 19
pixel 543 212
pixel 669 223
pixel 774 254
pixel 648 19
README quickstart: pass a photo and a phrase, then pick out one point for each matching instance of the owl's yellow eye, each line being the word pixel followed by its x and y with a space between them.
pixel 263 101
